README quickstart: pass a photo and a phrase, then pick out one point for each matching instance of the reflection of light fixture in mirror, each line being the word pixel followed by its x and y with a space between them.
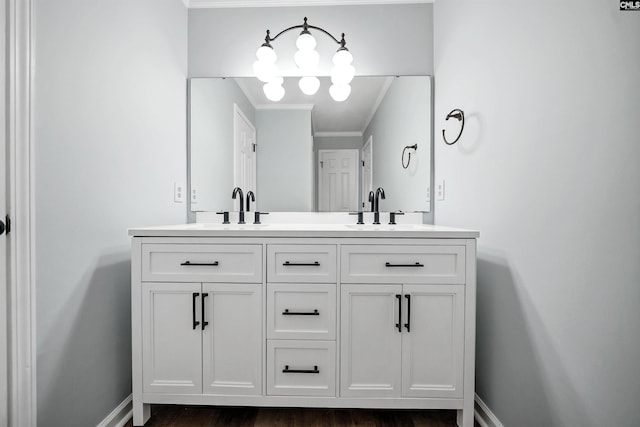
pixel 307 59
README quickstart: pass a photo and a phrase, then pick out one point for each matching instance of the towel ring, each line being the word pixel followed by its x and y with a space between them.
pixel 456 114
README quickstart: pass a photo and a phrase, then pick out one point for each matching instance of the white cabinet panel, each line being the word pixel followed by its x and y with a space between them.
pixel 432 348
pixel 370 341
pixel 202 263
pixel 301 368
pixel 435 264
pixel 172 344
pixel 306 311
pixel 232 339
pixel 301 263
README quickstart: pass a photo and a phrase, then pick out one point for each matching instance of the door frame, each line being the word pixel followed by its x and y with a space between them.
pixel 21 343
pixel 238 114
pixel 363 191
pixel 319 169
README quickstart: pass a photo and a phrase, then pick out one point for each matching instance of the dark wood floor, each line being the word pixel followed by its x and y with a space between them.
pixel 207 416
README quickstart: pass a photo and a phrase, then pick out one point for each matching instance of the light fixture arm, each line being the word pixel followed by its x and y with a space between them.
pixel 305 29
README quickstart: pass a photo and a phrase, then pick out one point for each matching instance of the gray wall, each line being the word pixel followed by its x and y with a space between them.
pixel 284 161
pixel 384 39
pixel 403 118
pixel 547 170
pixel 109 111
pixel 211 140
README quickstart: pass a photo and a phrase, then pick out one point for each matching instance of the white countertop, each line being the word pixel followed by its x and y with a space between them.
pixel 305 230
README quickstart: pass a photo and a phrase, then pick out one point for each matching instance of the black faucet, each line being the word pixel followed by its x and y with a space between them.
pixel 376 205
pixel 250 198
pixel 371 200
pixel 238 191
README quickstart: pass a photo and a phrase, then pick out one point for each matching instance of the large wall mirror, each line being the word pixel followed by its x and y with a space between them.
pixel 310 153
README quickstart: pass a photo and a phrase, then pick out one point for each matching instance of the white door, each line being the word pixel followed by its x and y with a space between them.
pixel 367 172
pixel 232 339
pixel 370 341
pixel 432 341
pixel 244 170
pixel 172 345
pixel 338 180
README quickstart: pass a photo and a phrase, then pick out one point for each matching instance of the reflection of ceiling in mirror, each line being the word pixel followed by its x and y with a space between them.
pixel 328 116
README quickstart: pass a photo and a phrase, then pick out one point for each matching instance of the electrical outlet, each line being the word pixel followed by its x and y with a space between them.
pixel 440 191
pixel 194 196
pixel 178 192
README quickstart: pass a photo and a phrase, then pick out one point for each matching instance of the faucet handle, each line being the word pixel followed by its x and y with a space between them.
pixel 256 216
pixel 225 217
pixel 360 216
pixel 392 217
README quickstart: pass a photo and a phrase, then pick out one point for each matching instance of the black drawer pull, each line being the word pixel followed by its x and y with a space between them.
pixel 286 370
pixel 195 322
pixel 408 324
pixel 286 312
pixel 417 264
pixel 210 264
pixel 204 322
pixel 399 324
pixel 301 264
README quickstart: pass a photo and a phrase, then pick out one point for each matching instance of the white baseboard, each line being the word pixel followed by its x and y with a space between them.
pixel 119 416
pixel 484 416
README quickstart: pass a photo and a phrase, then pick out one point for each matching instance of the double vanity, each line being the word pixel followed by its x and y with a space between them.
pixel 304 315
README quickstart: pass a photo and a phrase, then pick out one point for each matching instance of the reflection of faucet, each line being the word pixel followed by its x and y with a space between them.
pixel 371 200
pixel 376 205
pixel 250 198
pixel 238 191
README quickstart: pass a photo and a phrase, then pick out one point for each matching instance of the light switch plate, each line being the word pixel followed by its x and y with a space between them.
pixel 178 192
pixel 440 191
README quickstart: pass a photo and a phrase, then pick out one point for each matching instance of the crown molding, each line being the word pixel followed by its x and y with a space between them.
pixel 284 107
pixel 336 134
pixel 208 4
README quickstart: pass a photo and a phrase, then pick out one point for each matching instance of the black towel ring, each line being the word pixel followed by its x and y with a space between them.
pixel 456 114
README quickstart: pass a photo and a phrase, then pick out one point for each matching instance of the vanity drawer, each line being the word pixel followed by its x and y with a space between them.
pixel 437 264
pixel 306 311
pixel 301 263
pixel 202 263
pixel 301 368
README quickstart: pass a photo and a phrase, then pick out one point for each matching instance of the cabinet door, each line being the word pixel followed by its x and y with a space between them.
pixel 433 343
pixel 171 347
pixel 232 339
pixel 370 341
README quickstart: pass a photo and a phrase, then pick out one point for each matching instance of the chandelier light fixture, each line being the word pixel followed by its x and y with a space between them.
pixel 306 59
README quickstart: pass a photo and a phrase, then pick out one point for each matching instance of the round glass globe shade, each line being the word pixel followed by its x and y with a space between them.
pixel 307 60
pixel 309 85
pixel 339 92
pixel 266 54
pixel 306 42
pixel 342 74
pixel 342 57
pixel 273 91
pixel 265 71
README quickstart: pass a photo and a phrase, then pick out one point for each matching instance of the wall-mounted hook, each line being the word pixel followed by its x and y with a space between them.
pixel 413 147
pixel 456 114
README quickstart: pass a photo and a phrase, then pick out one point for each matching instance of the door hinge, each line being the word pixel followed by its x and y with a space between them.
pixel 6 225
pixel 254 147
pixel 363 163
pixel 321 164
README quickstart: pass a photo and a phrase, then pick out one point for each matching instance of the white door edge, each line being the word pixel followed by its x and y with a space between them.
pixel 21 306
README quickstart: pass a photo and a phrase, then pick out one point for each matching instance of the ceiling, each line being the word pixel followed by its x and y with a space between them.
pixel 328 116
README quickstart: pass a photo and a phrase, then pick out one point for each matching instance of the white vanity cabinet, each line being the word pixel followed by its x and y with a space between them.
pixel 337 317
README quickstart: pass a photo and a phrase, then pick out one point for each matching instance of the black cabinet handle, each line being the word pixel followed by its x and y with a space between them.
pixel 315 370
pixel 408 324
pixel 286 312
pixel 204 322
pixel 301 264
pixel 417 264
pixel 195 322
pixel 210 264
pixel 399 324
